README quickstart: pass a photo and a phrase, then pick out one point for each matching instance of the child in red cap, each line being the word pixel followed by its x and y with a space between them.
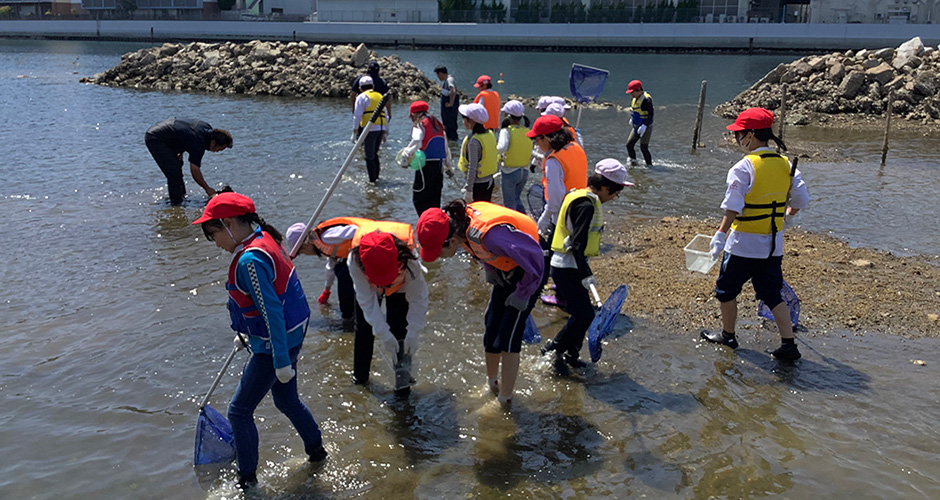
pixel 269 314
pixel 489 99
pixel 427 136
pixel 506 242
pixel 763 190
pixel 383 266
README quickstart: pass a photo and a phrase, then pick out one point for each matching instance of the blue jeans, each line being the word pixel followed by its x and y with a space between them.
pixel 512 183
pixel 257 379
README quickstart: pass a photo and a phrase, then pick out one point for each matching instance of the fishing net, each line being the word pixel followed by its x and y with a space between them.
pixel 792 301
pixel 535 198
pixel 586 82
pixel 604 321
pixel 214 441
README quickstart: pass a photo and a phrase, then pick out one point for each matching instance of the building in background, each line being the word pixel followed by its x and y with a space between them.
pixel 875 11
pixel 377 11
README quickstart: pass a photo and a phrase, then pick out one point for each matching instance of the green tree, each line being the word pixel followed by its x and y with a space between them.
pixel 6 11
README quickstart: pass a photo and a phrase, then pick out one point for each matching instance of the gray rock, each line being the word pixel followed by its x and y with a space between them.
pixel 926 83
pixel 895 83
pixel 851 85
pixel 836 72
pixel 772 77
pixel 801 68
pixel 797 119
pixel 886 54
pixel 361 56
pixel 862 54
pixel 881 73
pixel 872 63
pixel 906 51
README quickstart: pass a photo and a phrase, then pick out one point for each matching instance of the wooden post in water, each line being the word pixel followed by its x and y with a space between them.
pixel 783 111
pixel 698 118
pixel 884 149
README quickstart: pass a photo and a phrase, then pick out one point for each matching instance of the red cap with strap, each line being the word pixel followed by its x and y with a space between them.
pixel 225 205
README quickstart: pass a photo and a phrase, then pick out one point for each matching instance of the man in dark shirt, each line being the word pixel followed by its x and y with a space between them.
pixel 169 139
pixel 378 83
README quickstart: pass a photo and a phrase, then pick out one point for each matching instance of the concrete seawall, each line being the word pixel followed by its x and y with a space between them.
pixel 591 37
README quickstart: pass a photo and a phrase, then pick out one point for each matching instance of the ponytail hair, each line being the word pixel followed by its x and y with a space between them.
pixel 478 128
pixel 519 119
pixel 766 135
pixel 456 210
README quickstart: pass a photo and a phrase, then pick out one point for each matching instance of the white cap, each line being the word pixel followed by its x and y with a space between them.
pixel 475 112
pixel 544 101
pixel 613 170
pixel 293 234
pixel 560 100
pixel 365 80
pixel 514 108
pixel 554 109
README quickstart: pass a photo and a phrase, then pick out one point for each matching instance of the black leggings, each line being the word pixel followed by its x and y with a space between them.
pixel 396 313
pixel 571 337
pixel 171 164
pixel 429 182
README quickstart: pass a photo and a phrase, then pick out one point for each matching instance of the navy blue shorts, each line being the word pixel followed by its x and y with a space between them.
pixel 765 274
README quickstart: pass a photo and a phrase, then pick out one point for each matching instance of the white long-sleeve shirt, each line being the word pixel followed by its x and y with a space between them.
pixel 362 104
pixel 740 182
pixel 417 137
pixel 367 295
pixel 555 193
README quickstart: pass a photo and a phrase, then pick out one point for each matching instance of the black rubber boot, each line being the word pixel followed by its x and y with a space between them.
pixel 786 352
pixel 548 347
pixel 317 456
pixel 247 481
pixel 574 362
pixel 722 338
pixel 560 367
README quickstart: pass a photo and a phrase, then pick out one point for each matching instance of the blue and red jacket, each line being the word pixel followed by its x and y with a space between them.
pixel 266 300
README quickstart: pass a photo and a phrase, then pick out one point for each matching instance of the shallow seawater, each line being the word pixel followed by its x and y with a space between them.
pixel 116 322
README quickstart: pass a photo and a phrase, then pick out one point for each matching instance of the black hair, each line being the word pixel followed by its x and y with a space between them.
pixel 456 210
pixel 441 69
pixel 508 121
pixel 598 181
pixel 486 86
pixel 250 218
pixel 559 138
pixel 221 137
pixel 373 67
pixel 767 134
pixel 478 128
pixel 367 86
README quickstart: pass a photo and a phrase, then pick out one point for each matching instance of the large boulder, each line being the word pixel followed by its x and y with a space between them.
pixel 886 54
pixel 771 78
pixel 836 72
pixel 851 85
pixel 881 73
pixel 361 56
pixel 911 48
pixel 926 83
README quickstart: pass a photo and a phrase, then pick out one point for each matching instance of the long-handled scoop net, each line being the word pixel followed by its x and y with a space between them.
pixel 605 320
pixel 376 113
pixel 214 440
pixel 586 83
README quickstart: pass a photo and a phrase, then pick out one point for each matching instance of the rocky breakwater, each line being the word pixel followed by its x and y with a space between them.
pixel 844 87
pixel 263 68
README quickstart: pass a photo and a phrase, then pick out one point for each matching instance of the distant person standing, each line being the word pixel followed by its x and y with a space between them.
pixel 489 99
pixel 427 136
pixel 169 139
pixel 450 99
pixel 478 157
pixel 366 103
pixel 641 122
pixel 515 149
pixel 378 83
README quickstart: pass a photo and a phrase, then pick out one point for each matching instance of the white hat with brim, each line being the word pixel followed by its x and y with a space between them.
pixel 293 234
pixel 560 100
pixel 475 112
pixel 613 171
pixel 544 101
pixel 365 80
pixel 554 109
pixel 513 108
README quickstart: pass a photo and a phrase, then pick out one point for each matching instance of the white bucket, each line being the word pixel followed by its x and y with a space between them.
pixel 698 254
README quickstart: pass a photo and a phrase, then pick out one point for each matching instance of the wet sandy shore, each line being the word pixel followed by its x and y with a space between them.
pixel 842 289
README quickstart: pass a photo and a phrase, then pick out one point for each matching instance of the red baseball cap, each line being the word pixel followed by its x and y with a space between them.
pixel 379 257
pixel 545 124
pixel 418 106
pixel 433 228
pixel 483 80
pixel 225 205
pixel 752 119
pixel 634 85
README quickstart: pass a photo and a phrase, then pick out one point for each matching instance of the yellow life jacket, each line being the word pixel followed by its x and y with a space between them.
pixel 560 241
pixel 637 103
pixel 520 147
pixel 765 204
pixel 374 98
pixel 400 230
pixel 488 160
pixel 485 216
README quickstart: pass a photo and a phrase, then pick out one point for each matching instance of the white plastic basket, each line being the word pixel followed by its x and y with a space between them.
pixel 697 254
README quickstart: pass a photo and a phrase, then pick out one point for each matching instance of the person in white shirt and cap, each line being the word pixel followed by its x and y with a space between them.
pixel 577 237
pixel 366 103
pixel 763 191
pixel 515 150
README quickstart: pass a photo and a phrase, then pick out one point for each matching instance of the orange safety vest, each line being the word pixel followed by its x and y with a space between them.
pixel 400 230
pixel 573 164
pixel 490 100
pixel 574 133
pixel 485 216
pixel 341 250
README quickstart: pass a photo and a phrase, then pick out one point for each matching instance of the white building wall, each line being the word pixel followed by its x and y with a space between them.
pixel 875 11
pixel 382 11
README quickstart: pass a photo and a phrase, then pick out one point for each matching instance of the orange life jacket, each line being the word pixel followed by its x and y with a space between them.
pixel 341 250
pixel 490 100
pixel 485 216
pixel 573 164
